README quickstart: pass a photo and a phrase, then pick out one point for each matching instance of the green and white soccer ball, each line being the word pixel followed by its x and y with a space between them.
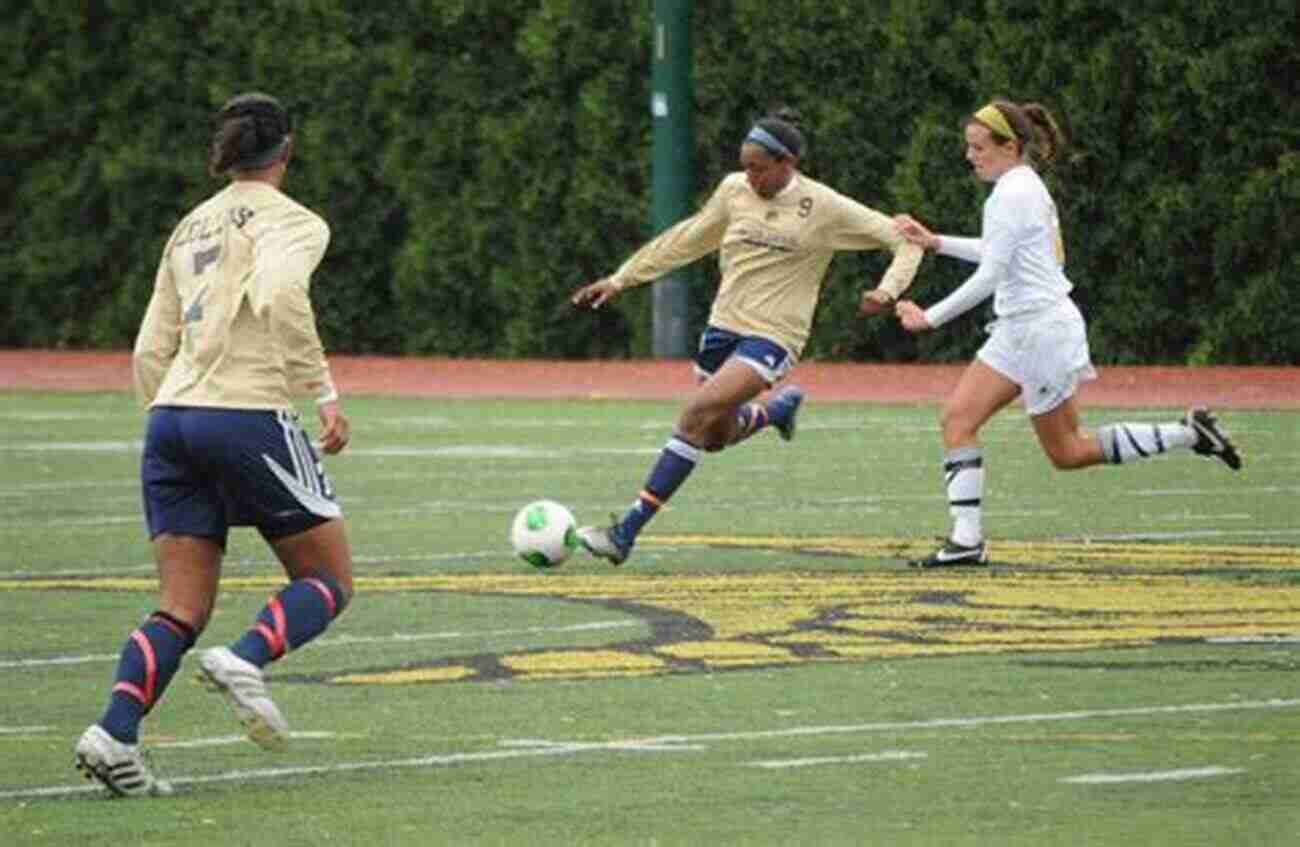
pixel 544 534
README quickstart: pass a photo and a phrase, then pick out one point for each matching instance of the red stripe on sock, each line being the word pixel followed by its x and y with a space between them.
pixel 180 633
pixel 131 689
pixel 150 665
pixel 651 499
pixel 272 643
pixel 324 592
pixel 281 630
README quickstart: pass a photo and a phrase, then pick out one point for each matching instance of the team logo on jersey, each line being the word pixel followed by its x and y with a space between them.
pixel 194 311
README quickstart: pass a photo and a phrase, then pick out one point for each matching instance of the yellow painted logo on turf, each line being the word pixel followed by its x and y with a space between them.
pixel 1041 596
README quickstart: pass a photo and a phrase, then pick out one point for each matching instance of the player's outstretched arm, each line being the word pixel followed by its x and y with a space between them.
pixel 911 316
pixel 916 232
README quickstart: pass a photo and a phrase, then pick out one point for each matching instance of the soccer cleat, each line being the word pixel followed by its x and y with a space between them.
pixel 1210 440
pixel 121 768
pixel 244 688
pixel 604 543
pixel 784 408
pixel 953 555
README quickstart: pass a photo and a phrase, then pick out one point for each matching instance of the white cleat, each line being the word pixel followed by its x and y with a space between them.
pixel 601 542
pixel 244 688
pixel 121 768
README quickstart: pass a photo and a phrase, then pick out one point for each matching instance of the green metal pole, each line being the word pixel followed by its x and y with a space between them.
pixel 672 175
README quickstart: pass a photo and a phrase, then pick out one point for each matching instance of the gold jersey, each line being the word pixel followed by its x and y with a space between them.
pixel 230 323
pixel 773 253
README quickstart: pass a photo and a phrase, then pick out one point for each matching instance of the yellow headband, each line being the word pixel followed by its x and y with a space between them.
pixel 992 117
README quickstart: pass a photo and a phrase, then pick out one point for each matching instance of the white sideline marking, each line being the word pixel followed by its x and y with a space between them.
pixel 348 640
pixel 226 740
pixel 886 756
pixel 135 446
pixel 22 730
pixel 243 565
pixel 987 720
pixel 635 746
pixel 515 750
pixel 343 767
pixel 1154 776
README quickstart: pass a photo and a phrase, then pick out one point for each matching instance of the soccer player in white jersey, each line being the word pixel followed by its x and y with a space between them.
pixel 776 231
pixel 228 340
pixel 1038 345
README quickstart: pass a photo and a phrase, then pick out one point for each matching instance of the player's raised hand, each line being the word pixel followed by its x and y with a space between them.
pixel 595 294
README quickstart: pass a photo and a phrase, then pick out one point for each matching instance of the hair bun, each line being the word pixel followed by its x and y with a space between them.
pixel 789 114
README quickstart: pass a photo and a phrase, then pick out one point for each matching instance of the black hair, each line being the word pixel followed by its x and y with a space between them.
pixel 783 124
pixel 251 131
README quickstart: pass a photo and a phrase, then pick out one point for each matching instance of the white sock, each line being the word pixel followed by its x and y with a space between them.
pixel 1125 442
pixel 963 469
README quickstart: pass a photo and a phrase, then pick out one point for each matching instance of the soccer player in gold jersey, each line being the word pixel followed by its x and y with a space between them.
pixel 227 342
pixel 775 230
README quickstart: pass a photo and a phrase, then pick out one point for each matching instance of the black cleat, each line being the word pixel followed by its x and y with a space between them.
pixel 954 555
pixel 1210 440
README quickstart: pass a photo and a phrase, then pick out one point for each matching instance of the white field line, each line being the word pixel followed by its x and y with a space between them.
pixel 527 748
pixel 885 756
pixel 23 730
pixel 227 740
pixel 351 640
pixel 341 767
pixel 986 720
pixel 1185 535
pixel 1153 776
pixel 241 566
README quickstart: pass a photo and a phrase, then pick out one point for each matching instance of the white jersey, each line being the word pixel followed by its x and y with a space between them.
pixel 1020 253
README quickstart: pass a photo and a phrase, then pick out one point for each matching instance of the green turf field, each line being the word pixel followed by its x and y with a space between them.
pixel 765 670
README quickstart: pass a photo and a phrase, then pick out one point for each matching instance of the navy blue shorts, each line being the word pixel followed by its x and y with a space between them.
pixel 206 470
pixel 771 360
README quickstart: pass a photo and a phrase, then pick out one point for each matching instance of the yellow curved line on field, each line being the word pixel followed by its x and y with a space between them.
pixel 1042 596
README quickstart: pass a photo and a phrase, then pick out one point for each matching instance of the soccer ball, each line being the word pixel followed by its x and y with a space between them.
pixel 544 534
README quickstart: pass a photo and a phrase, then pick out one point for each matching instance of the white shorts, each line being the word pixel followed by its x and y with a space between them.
pixel 1046 354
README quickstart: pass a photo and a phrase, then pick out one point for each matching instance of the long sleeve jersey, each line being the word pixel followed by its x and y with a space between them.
pixel 1019 252
pixel 773 253
pixel 230 322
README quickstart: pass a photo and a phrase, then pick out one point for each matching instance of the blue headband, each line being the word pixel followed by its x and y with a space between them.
pixel 769 142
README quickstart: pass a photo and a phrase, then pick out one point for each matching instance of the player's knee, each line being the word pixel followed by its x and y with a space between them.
pixel 703 429
pixel 957 427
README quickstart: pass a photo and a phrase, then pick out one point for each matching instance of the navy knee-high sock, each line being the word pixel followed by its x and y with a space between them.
pixel 147 664
pixel 675 463
pixel 300 612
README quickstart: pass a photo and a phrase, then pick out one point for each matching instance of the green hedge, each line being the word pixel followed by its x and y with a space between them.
pixel 479 160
